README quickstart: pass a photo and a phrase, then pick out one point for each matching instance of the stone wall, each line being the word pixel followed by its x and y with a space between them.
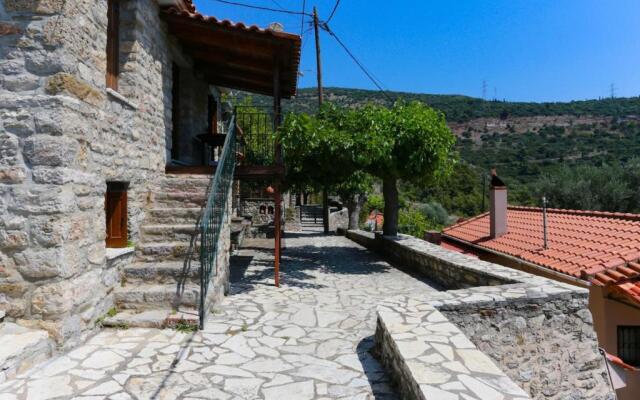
pixel 251 207
pixel 538 331
pixel 339 220
pixel 439 270
pixel 545 345
pixel 63 135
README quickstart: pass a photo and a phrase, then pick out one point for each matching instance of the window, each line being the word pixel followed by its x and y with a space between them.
pixel 116 211
pixel 113 43
pixel 629 344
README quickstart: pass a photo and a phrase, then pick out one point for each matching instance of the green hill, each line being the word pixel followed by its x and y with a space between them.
pixel 462 108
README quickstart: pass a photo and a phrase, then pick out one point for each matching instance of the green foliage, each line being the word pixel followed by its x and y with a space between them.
pixel 587 187
pixel 374 202
pixel 434 212
pixel 358 183
pixel 460 193
pixel 318 150
pixel 408 141
pixel 412 221
pixel 185 327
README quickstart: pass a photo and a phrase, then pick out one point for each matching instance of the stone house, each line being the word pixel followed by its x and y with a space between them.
pixel 109 111
pixel 599 251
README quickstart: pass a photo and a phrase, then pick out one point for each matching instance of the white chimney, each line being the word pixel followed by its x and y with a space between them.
pixel 498 204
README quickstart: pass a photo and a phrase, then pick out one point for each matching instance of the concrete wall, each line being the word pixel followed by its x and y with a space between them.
pixel 63 135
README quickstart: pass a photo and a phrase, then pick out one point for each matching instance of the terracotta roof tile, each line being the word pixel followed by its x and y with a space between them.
pixel 602 247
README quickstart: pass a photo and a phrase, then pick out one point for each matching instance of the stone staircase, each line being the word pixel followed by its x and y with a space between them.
pixel 148 296
pixel 311 215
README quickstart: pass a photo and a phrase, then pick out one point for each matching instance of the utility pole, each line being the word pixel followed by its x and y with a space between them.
pixel 612 88
pixel 318 59
pixel 325 194
pixel 484 90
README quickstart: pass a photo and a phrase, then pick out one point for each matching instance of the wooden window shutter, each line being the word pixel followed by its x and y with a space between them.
pixel 116 211
pixel 113 43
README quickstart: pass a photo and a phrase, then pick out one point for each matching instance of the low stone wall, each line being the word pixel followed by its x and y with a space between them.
pixel 438 266
pixel 431 359
pixel 538 331
pixel 339 220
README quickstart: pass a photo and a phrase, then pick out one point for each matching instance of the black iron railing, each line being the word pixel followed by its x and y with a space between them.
pixel 258 144
pixel 214 215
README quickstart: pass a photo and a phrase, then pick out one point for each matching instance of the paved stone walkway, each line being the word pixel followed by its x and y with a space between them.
pixel 309 339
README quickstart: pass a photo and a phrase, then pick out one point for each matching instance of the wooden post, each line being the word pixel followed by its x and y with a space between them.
pixel 325 194
pixel 277 234
pixel 278 160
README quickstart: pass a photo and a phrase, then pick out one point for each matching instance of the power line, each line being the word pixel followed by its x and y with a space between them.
pixel 304 6
pixel 278 5
pixel 333 11
pixel 233 3
pixel 358 63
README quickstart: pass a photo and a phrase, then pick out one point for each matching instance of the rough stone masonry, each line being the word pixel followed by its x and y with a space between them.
pixel 63 136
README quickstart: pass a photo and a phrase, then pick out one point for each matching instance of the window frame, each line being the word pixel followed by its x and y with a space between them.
pixel 628 337
pixel 113 44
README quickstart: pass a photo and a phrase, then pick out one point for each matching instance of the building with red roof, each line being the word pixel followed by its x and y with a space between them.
pixel 592 249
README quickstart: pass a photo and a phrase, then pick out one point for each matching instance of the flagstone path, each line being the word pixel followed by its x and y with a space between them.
pixel 309 339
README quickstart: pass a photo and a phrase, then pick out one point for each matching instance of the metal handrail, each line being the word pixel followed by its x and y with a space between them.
pixel 213 216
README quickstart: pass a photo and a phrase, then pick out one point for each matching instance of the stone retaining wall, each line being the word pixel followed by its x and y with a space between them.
pixel 538 331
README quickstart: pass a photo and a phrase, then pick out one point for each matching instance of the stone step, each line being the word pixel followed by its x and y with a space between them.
pixel 159 318
pixel 195 186
pixel 179 199
pixel 143 297
pixel 166 251
pixel 22 348
pixel 173 215
pixel 168 272
pixel 168 233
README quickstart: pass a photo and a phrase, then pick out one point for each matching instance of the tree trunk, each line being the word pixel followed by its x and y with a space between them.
pixel 354 205
pixel 391 206
pixel 305 197
pixel 325 210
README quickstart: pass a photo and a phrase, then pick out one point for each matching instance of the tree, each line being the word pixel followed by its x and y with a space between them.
pixel 320 153
pixel 353 193
pixel 409 142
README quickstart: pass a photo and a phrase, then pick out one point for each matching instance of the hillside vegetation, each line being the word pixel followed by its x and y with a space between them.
pixel 579 154
pixel 463 108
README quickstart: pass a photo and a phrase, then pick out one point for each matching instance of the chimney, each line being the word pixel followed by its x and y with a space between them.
pixel 498 206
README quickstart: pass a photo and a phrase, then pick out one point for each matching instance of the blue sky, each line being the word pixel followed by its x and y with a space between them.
pixel 525 50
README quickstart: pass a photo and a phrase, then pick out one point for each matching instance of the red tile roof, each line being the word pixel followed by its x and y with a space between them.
pixel 601 247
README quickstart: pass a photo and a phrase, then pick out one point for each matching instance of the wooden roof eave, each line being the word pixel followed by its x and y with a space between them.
pixel 241 58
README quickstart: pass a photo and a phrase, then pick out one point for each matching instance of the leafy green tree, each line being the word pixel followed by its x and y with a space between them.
pixel 409 142
pixel 320 153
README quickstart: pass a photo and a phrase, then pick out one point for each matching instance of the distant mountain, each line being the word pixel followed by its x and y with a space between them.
pixel 459 108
